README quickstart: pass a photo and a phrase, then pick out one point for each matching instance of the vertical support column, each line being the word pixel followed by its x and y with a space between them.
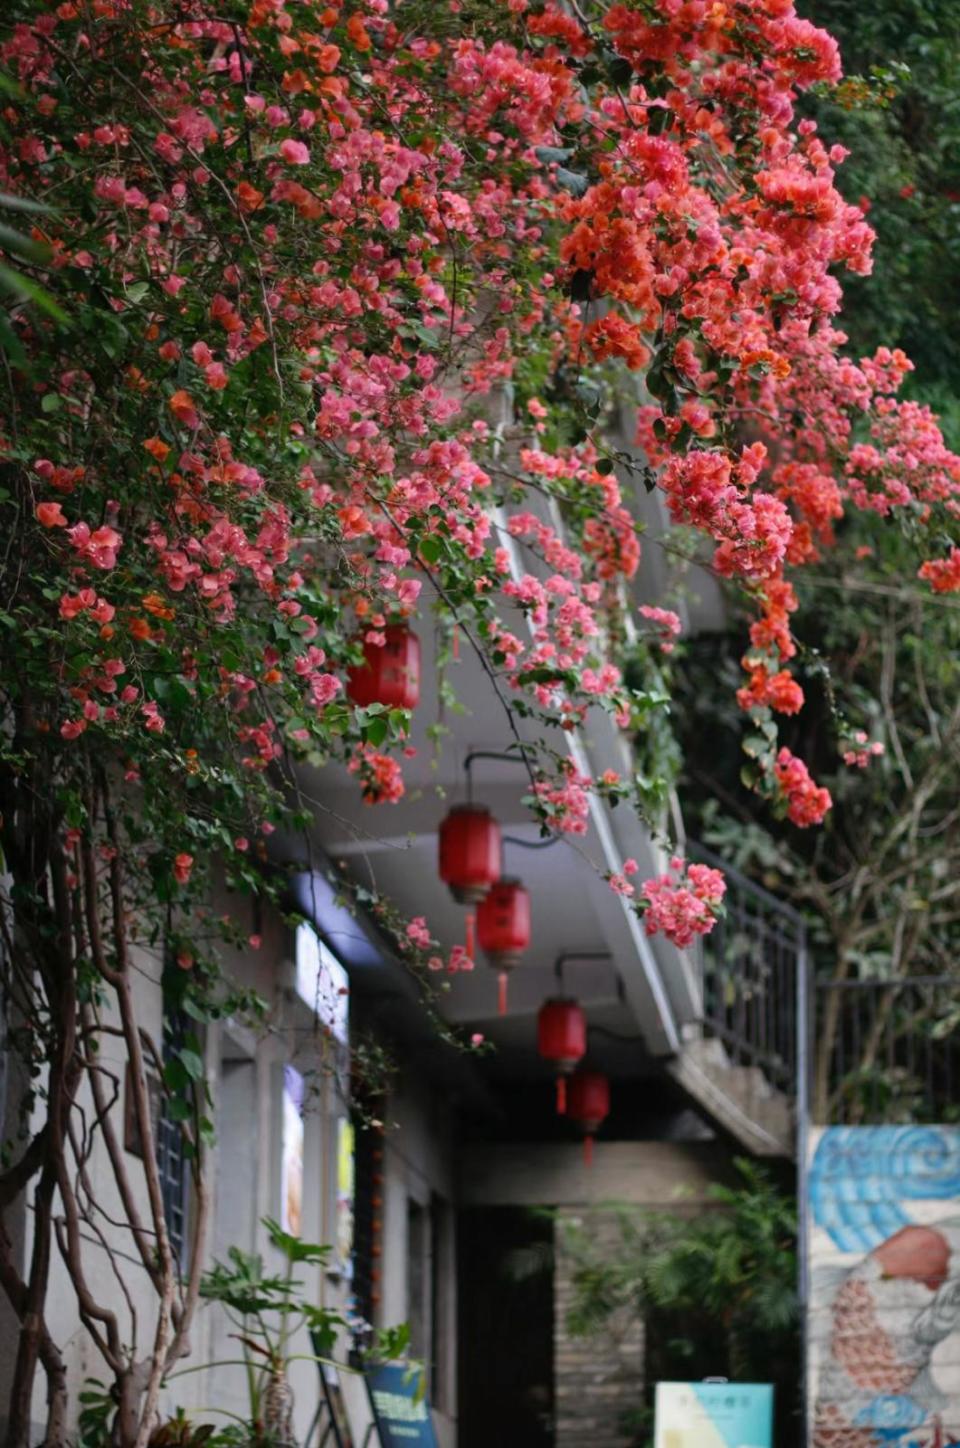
pixel 804 1001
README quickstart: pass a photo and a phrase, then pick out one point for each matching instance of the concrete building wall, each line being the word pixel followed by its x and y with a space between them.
pixel 640 1173
pixel 884 1254
pixel 245 1077
pixel 419 1283
pixel 246 1073
pixel 110 1263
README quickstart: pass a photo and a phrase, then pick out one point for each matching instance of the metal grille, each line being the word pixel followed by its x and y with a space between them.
pixel 886 1052
pixel 754 961
pixel 367 1221
pixel 171 1157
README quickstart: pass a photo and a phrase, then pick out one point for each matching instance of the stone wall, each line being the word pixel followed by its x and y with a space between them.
pixel 884 1320
pixel 597 1378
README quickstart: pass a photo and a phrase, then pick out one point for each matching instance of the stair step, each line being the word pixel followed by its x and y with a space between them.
pixel 739 1098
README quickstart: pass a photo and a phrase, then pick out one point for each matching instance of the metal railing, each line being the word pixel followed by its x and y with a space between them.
pixel 886 1051
pixel 857 1052
pixel 754 979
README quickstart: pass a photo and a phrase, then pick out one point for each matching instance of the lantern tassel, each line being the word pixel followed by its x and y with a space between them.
pixel 469 924
pixel 502 979
pixel 561 1095
pixel 588 1151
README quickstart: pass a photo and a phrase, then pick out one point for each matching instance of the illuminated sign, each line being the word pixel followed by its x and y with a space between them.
pixel 291 1185
pixel 322 983
pixel 346 1187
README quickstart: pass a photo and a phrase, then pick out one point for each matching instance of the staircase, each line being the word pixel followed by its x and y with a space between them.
pixel 744 1061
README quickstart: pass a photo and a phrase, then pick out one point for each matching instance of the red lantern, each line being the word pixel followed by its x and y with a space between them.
pixel 588 1104
pixel 390 673
pixel 562 1039
pixel 470 853
pixel 503 929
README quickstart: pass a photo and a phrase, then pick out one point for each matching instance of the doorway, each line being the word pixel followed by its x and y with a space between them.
pixel 505 1328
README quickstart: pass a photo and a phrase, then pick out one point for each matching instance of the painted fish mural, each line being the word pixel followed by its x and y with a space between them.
pixel 884 1324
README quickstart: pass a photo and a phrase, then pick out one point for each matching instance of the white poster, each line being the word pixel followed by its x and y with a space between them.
pixel 714 1415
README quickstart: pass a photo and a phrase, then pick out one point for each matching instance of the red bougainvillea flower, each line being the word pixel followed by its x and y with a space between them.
pixel 806 802
pixel 182 866
pixel 51 515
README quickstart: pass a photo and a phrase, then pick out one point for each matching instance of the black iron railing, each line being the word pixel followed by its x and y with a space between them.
pixel 886 1052
pixel 754 979
pixel 852 1052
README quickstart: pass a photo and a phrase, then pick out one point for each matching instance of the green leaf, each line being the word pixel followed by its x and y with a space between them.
pixel 28 291
pixel 23 203
pixel 755 745
pixel 293 1248
pixel 619 70
pixel 550 154
pixel 376 731
pixel 573 181
pixel 10 344
pixel 25 246
pixel 194 1010
pixel 323 1330
pixel 192 1063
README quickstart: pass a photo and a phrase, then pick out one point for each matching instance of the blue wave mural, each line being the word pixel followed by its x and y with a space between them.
pixel 861 1177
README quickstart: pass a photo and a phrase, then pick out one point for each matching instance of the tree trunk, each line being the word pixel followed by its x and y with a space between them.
pixel 32 1328
pixel 130 1386
pixel 57 1401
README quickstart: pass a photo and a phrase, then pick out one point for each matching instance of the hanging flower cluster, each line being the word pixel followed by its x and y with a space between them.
pixel 683 903
pixel 806 803
pixel 287 258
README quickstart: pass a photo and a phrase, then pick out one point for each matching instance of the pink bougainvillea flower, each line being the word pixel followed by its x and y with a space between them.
pixel 295 153
pixel 417 931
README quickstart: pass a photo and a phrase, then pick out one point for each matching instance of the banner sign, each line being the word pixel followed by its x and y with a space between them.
pixel 403 1420
pixel 714 1415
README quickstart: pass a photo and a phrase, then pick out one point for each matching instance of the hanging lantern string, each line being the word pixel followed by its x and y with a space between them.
pixel 583 955
pixel 502 979
pixel 469 923
pixel 522 757
pixel 561 1095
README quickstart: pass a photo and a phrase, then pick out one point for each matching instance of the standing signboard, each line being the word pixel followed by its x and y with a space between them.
pixel 403 1419
pixel 714 1415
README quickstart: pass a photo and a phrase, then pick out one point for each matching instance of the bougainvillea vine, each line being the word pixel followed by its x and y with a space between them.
pixel 285 259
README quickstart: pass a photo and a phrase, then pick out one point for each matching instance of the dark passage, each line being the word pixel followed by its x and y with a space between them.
pixel 506 1329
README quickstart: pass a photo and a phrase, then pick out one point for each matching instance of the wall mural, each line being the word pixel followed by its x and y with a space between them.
pixel 884 1326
